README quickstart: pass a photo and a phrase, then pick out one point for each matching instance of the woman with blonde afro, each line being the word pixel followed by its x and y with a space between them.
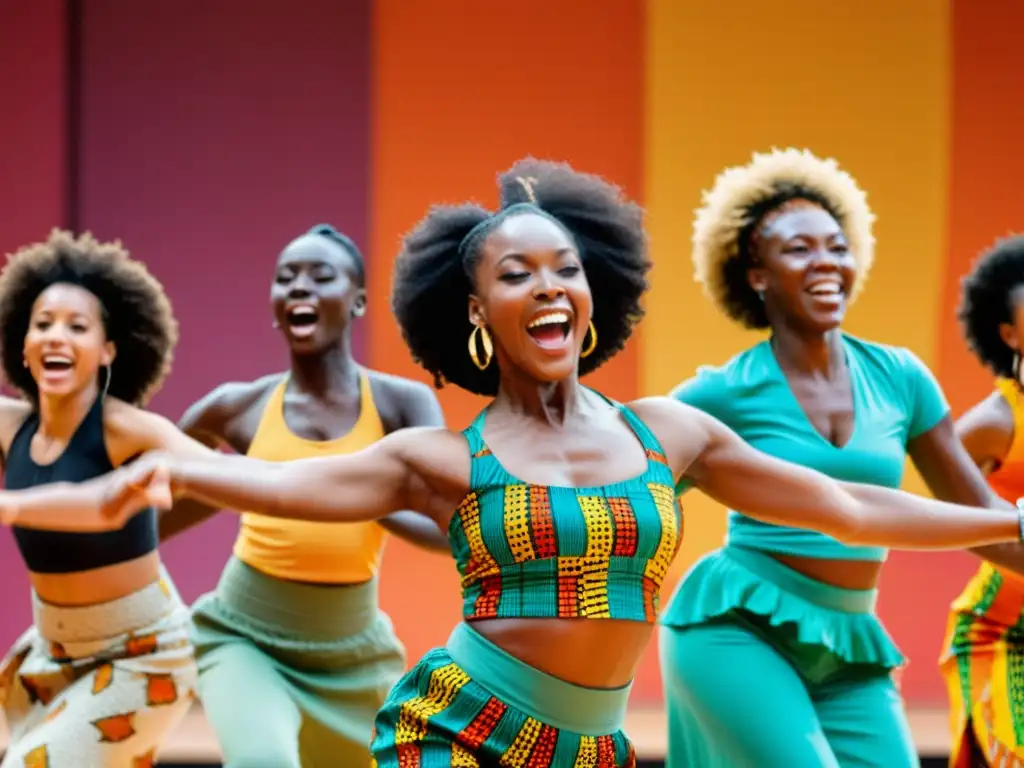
pixel 772 653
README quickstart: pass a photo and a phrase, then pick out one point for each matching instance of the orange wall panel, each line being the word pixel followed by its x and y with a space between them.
pixel 463 89
pixel 796 73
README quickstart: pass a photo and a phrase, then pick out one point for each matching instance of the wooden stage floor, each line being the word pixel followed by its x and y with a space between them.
pixel 193 743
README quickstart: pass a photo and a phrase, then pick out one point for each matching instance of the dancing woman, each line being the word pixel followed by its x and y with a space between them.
pixel 984 643
pixel 106 670
pixel 559 503
pixel 782 619
pixel 295 656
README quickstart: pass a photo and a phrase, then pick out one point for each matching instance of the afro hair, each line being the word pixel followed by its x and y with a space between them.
pixel 432 281
pixel 137 314
pixel 739 200
pixel 987 301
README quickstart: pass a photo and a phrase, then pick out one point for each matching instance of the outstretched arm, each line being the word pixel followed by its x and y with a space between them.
pixel 408 469
pixel 703 450
pixel 89 507
pixel 775 491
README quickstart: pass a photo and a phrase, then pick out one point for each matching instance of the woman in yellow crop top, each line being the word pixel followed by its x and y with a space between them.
pixel 559 503
pixel 295 656
pixel 984 646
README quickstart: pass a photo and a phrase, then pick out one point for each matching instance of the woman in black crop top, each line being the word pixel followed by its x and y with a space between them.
pixel 560 569
pixel 106 670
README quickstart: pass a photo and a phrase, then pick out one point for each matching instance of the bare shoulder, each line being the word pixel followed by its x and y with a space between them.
pixel 404 402
pixel 129 430
pixel 991 413
pixel 429 448
pixel 987 430
pixel 437 463
pixel 682 430
pixel 121 418
pixel 13 412
pixel 228 401
pixel 666 414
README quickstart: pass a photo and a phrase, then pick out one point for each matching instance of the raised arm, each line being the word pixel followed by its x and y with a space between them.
pixel 417 407
pixel 726 468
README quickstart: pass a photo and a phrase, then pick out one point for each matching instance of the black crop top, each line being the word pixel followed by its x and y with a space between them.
pixel 84 458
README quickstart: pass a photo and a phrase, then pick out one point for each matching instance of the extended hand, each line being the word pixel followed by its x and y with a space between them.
pixel 146 483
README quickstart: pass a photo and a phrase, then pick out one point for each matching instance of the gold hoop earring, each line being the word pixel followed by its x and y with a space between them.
pixel 485 338
pixel 592 333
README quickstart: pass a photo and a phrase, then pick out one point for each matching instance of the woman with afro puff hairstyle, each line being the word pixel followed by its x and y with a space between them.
pixel 782 619
pixel 559 504
pixel 106 670
pixel 985 638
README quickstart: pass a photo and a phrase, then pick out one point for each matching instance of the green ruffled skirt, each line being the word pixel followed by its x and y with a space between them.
pixel 763 666
pixel 788 607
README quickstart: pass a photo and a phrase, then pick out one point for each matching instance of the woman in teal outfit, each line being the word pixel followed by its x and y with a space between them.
pixel 782 620
pixel 559 503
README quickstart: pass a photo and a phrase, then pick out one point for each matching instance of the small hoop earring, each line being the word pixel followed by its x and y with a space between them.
pixel 106 382
pixel 1016 368
pixel 592 333
pixel 485 338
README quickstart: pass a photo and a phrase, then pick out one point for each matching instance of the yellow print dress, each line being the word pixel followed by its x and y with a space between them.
pixel 983 653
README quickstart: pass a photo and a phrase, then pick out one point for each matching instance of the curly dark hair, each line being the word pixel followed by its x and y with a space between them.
pixel 986 302
pixel 137 315
pixel 433 280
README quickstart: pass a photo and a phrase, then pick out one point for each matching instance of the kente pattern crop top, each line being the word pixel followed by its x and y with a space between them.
pixel 533 551
pixel 895 398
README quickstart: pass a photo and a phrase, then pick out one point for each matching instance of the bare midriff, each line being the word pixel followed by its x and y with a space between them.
pixel 845 574
pixel 97 585
pixel 593 653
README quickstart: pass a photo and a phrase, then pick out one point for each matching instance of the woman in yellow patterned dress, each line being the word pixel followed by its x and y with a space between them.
pixel 983 654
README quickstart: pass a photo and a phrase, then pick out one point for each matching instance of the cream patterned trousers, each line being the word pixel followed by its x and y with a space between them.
pixel 98 686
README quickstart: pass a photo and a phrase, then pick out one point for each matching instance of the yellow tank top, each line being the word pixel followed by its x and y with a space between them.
pixel 301 550
pixel 1008 479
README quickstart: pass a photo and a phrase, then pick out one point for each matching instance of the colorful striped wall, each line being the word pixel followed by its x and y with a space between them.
pixel 207 136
